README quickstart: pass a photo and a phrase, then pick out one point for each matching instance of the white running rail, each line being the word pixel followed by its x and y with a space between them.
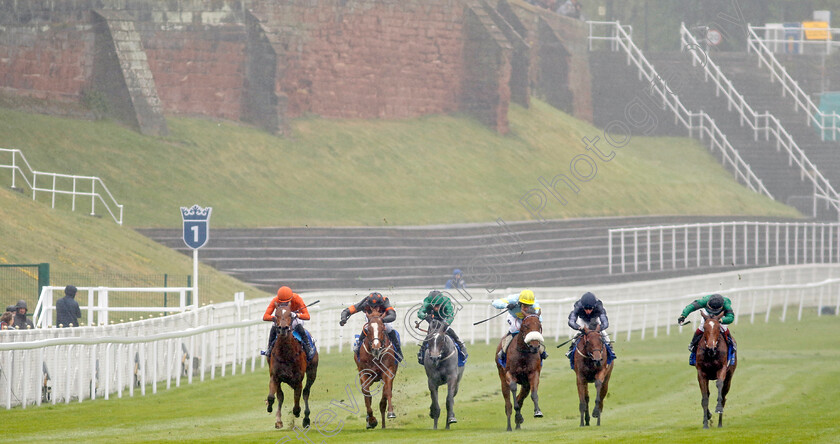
pixel 765 122
pixel 60 184
pixel 700 123
pixel 825 122
pixel 671 247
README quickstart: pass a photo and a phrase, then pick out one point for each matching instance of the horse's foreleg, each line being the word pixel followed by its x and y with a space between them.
pixel 583 396
pixel 596 412
pixel 535 384
pixel 385 402
pixel 526 389
pixel 516 404
pixel 451 389
pixel 704 402
pixel 434 408
pixel 269 401
pixel 603 392
pixel 311 373
pixel 506 395
pixel 278 424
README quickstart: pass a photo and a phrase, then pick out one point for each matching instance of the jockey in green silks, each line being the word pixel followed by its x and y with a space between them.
pixel 714 304
pixel 438 307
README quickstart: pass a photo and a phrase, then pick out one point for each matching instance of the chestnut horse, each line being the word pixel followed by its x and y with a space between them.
pixel 713 364
pixel 591 366
pixel 523 366
pixel 288 364
pixel 376 361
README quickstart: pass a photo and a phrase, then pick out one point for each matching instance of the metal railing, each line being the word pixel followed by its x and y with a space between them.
pixel 671 247
pixel 765 122
pixel 697 123
pixel 62 184
pixel 766 57
pixel 100 362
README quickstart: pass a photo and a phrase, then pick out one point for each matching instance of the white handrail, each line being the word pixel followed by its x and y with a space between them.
pixel 20 167
pixel 692 121
pixel 790 86
pixel 765 122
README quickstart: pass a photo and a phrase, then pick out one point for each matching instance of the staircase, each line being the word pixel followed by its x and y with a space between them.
pixel 500 255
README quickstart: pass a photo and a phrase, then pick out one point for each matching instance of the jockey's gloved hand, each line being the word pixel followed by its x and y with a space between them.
pixel 512 305
pixel 680 319
pixel 345 315
pixel 294 315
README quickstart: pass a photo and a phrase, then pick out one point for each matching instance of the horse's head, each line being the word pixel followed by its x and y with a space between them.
pixel 711 333
pixel 283 317
pixel 531 331
pixel 436 340
pixel 593 345
pixel 376 339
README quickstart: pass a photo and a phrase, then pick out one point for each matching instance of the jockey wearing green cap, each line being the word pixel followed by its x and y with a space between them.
pixel 438 307
pixel 714 304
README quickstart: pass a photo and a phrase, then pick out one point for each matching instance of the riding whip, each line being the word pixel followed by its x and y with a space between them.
pixel 491 317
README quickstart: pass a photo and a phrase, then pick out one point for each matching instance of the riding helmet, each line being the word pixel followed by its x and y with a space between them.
pixel 526 297
pixel 284 294
pixel 376 298
pixel 715 302
pixel 588 300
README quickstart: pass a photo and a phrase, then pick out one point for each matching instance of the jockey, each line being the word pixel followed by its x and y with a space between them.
pixel 389 315
pixel 590 310
pixel 714 304
pixel 438 307
pixel 519 306
pixel 299 314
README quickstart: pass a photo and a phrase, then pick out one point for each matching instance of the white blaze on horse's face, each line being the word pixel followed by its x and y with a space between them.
pixel 711 325
pixel 375 335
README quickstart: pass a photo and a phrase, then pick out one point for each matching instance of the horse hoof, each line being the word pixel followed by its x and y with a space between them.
pixel 719 411
pixel 452 420
pixel 296 412
pixel 278 425
pixel 372 425
pixel 305 422
pixel 538 414
pixel 392 415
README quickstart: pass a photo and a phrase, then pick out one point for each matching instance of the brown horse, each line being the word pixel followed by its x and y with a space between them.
pixel 288 364
pixel 713 364
pixel 376 361
pixel 591 366
pixel 523 366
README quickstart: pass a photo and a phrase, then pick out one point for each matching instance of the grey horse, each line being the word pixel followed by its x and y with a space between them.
pixel 441 363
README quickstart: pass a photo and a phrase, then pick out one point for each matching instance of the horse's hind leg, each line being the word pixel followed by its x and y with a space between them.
pixel 526 389
pixel 535 384
pixel 583 406
pixel 451 390
pixel 506 395
pixel 296 409
pixel 596 412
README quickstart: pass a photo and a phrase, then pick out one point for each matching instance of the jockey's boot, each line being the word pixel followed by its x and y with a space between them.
pixel 692 347
pixel 395 339
pixel 272 335
pixel 572 346
pixel 358 345
pixel 606 338
pixel 421 352
pixel 307 347
pixel 730 340
pixel 543 354
pixel 505 343
pixel 462 349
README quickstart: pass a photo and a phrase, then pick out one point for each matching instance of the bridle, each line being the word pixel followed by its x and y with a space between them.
pixel 586 345
pixel 374 338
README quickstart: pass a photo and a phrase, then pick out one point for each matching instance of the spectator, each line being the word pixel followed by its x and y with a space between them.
pixel 67 310
pixel 571 8
pixel 21 321
pixel 456 282
pixel 7 321
pixel 12 309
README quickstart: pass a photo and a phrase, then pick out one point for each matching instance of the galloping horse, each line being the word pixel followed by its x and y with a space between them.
pixel 713 364
pixel 376 361
pixel 288 364
pixel 591 366
pixel 441 364
pixel 523 366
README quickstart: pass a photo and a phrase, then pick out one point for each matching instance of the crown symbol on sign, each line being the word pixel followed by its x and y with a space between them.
pixel 196 213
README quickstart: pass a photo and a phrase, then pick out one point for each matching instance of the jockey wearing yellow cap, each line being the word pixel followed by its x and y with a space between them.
pixel 519 306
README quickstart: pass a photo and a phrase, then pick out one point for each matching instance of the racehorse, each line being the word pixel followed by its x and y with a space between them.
pixel 288 364
pixel 713 364
pixel 523 366
pixel 591 366
pixel 376 361
pixel 441 364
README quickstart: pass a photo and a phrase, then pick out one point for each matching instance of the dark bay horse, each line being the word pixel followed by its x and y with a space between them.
pixel 523 366
pixel 713 364
pixel 288 364
pixel 591 366
pixel 441 364
pixel 377 361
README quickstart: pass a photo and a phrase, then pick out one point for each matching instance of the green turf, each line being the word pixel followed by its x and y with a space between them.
pixel 434 169
pixel 785 390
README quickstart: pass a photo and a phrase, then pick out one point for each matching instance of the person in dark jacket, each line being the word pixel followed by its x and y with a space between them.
pixel 381 303
pixel 590 310
pixel 67 310
pixel 21 321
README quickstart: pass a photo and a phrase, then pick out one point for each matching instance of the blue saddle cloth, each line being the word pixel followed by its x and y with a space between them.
pixel 311 341
pixel 610 354
pixel 461 360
